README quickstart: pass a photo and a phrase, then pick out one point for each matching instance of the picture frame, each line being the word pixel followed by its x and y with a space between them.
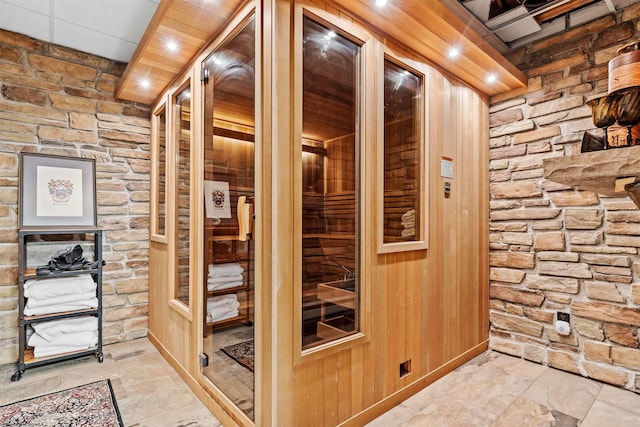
pixel 56 191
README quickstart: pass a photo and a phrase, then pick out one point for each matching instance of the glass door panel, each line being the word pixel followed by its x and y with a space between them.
pixel 229 189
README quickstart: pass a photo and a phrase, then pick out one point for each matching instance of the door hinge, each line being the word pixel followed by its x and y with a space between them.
pixel 204 360
pixel 205 75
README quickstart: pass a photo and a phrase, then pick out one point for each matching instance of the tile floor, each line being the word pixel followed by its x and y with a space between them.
pixel 503 391
pixel 148 391
pixel 491 390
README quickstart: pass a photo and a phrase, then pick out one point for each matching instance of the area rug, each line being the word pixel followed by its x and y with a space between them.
pixel 86 405
pixel 241 353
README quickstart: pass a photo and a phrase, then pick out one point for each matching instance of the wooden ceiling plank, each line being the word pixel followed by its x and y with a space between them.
pixel 426 27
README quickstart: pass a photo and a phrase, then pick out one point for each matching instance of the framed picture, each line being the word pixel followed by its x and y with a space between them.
pixel 57 191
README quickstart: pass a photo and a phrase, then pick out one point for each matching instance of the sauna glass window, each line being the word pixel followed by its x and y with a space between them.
pixel 183 142
pixel 160 120
pixel 402 134
pixel 330 185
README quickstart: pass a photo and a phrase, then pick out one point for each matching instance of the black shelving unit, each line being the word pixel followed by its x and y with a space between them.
pixel 26 359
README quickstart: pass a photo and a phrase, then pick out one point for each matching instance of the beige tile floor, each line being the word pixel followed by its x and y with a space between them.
pixel 148 391
pixel 491 390
pixel 503 391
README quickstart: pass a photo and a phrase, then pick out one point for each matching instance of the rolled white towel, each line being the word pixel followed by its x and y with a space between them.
pixel 409 224
pixel 37 302
pixel 226 269
pixel 50 330
pixel 58 286
pixel 408 232
pixel 224 279
pixel 410 214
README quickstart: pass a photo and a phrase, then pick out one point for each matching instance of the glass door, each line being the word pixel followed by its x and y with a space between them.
pixel 229 189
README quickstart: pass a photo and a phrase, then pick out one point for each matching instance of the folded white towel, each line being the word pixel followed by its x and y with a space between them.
pixel 53 350
pixel 223 305
pixel 87 339
pixel 218 315
pixel 227 269
pixel 61 308
pixel 35 302
pixel 225 285
pixel 58 286
pixel 223 300
pixel 224 279
pixel 50 330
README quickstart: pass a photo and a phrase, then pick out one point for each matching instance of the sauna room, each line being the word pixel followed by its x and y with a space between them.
pixel 319 202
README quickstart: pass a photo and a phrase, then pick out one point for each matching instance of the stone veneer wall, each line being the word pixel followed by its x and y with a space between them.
pixel 60 101
pixel 554 248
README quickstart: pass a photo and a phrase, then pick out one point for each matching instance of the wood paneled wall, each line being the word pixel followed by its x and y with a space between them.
pixel 427 306
pixel 430 307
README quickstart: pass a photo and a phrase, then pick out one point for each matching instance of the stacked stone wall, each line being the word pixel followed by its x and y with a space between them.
pixel 554 248
pixel 59 101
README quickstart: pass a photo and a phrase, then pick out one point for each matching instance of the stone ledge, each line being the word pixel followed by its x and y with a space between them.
pixel 596 171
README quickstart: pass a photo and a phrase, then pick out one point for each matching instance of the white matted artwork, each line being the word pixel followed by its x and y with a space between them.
pixel 217 201
pixel 64 195
pixel 57 191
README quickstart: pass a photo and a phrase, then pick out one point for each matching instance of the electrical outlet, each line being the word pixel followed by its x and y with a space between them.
pixel 564 317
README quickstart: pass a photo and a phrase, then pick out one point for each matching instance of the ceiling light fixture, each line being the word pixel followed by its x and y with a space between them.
pixel 172 46
pixel 330 35
pixel 381 3
pixel 492 78
pixel 145 83
pixel 453 52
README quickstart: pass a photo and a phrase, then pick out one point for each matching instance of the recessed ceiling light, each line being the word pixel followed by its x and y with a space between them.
pixel 172 46
pixel 492 78
pixel 145 83
pixel 381 3
pixel 330 35
pixel 453 52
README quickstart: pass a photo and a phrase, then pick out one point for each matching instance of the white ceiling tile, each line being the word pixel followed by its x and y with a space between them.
pixel 87 40
pixel 24 21
pixel 124 19
pixel 40 6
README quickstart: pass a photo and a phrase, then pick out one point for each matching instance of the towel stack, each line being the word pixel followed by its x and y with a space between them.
pixel 64 336
pixel 222 307
pixel 409 224
pixel 225 276
pixel 60 294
